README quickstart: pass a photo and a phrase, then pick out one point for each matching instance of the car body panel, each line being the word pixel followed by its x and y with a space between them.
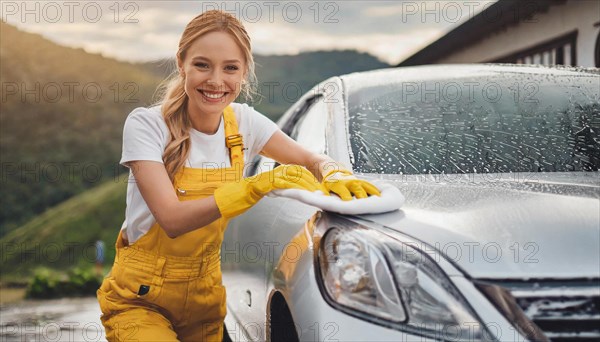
pixel 493 229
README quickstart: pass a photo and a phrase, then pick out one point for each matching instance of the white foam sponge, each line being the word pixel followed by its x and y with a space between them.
pixel 391 199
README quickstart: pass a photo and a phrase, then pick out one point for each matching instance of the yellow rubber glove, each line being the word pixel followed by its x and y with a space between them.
pixel 344 184
pixel 235 198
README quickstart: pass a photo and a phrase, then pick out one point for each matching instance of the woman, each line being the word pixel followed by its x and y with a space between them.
pixel 187 159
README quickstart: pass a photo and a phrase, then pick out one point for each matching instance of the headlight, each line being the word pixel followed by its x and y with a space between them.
pixel 367 272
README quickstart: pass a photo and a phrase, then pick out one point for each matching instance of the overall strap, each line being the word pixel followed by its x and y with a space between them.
pixel 233 139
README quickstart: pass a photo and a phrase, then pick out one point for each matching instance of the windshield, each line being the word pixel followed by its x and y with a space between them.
pixel 497 122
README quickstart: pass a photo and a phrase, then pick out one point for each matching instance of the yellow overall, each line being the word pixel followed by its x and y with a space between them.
pixel 163 289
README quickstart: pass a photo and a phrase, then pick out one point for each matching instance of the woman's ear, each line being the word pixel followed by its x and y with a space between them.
pixel 180 68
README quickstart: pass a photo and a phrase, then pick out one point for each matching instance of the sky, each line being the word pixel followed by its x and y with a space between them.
pixel 150 30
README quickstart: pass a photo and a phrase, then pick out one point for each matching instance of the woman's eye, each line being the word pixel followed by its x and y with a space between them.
pixel 201 65
pixel 232 68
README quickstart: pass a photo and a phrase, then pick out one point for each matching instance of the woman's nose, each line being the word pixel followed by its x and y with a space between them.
pixel 216 79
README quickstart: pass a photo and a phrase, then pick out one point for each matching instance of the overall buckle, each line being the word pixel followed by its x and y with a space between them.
pixel 234 140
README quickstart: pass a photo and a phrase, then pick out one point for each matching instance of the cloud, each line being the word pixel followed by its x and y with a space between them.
pixel 384 11
pixel 389 47
pixel 151 29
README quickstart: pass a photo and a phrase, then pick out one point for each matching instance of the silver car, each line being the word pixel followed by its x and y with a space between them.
pixel 499 238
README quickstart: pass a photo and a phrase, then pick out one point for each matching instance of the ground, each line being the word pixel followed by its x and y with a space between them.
pixel 67 319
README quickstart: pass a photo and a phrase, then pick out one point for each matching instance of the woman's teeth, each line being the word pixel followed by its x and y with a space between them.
pixel 213 95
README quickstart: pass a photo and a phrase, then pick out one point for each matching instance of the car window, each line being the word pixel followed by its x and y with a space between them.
pixel 310 130
pixel 307 124
pixel 255 166
pixel 300 109
pixel 260 164
pixel 503 122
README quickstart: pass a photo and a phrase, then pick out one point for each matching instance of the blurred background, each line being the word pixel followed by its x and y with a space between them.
pixel 72 71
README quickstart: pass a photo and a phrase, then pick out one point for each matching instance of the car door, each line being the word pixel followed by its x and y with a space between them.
pixel 254 241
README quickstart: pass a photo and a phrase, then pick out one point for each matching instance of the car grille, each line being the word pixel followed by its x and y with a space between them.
pixel 562 310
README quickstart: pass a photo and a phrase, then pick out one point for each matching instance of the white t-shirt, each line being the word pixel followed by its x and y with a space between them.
pixel 146 135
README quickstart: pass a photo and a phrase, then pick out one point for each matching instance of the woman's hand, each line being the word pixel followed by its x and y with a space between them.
pixel 344 184
pixel 236 197
pixel 339 181
pixel 284 177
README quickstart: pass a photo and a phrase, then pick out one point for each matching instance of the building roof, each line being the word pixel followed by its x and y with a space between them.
pixel 494 18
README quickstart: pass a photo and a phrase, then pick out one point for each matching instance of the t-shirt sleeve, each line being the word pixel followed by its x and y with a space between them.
pixel 143 136
pixel 262 129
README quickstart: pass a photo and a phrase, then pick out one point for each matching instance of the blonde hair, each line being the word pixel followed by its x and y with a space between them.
pixel 174 99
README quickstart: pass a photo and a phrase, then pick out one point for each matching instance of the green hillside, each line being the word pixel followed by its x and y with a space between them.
pixel 61 121
pixel 64 236
pixel 283 79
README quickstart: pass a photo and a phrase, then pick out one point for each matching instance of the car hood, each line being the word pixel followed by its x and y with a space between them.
pixel 504 227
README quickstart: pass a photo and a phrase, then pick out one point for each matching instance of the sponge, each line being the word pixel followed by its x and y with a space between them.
pixel 391 199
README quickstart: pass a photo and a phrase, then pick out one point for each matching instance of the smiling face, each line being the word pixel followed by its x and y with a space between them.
pixel 213 68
